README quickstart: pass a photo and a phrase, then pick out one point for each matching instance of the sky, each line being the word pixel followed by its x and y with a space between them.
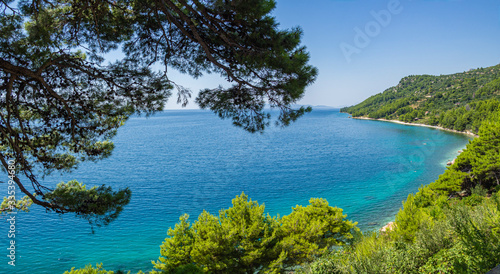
pixel 363 47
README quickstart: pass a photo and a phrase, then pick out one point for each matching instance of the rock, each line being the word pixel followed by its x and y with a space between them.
pixel 387 227
pixel 495 270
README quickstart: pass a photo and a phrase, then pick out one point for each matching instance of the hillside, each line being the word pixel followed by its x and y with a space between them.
pixel 458 101
pixel 451 225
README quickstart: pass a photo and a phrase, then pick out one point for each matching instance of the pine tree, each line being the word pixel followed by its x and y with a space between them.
pixel 61 104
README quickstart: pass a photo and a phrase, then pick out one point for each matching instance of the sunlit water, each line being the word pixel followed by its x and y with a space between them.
pixel 186 161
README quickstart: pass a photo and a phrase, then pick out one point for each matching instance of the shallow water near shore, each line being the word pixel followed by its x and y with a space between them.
pixel 185 161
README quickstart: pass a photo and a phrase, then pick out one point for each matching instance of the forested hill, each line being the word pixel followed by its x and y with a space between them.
pixel 458 101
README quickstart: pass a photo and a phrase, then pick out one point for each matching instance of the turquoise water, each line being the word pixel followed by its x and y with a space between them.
pixel 185 161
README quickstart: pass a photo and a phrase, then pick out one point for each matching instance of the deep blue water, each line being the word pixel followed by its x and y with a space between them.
pixel 185 161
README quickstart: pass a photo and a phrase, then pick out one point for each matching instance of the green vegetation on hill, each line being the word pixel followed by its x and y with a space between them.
pixel 459 101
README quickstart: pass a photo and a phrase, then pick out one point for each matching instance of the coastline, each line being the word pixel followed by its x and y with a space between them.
pixel 469 133
pixel 391 225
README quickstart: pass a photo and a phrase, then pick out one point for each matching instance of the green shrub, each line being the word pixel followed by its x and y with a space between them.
pixel 473 200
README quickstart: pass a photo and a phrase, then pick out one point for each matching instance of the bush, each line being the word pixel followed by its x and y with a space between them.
pixel 242 239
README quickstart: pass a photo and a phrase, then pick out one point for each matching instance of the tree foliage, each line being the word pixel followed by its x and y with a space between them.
pixel 242 239
pixel 481 160
pixel 311 231
pixel 89 269
pixel 478 165
pixel 61 103
pixel 409 219
pixel 465 240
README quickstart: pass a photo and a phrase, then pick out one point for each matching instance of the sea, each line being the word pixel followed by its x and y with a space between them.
pixel 187 161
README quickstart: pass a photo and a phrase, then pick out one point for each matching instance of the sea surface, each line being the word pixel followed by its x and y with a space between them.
pixel 185 161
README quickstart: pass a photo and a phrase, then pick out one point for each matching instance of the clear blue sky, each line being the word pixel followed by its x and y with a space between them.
pixel 359 56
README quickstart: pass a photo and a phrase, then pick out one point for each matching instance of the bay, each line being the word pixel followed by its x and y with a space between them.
pixel 184 161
